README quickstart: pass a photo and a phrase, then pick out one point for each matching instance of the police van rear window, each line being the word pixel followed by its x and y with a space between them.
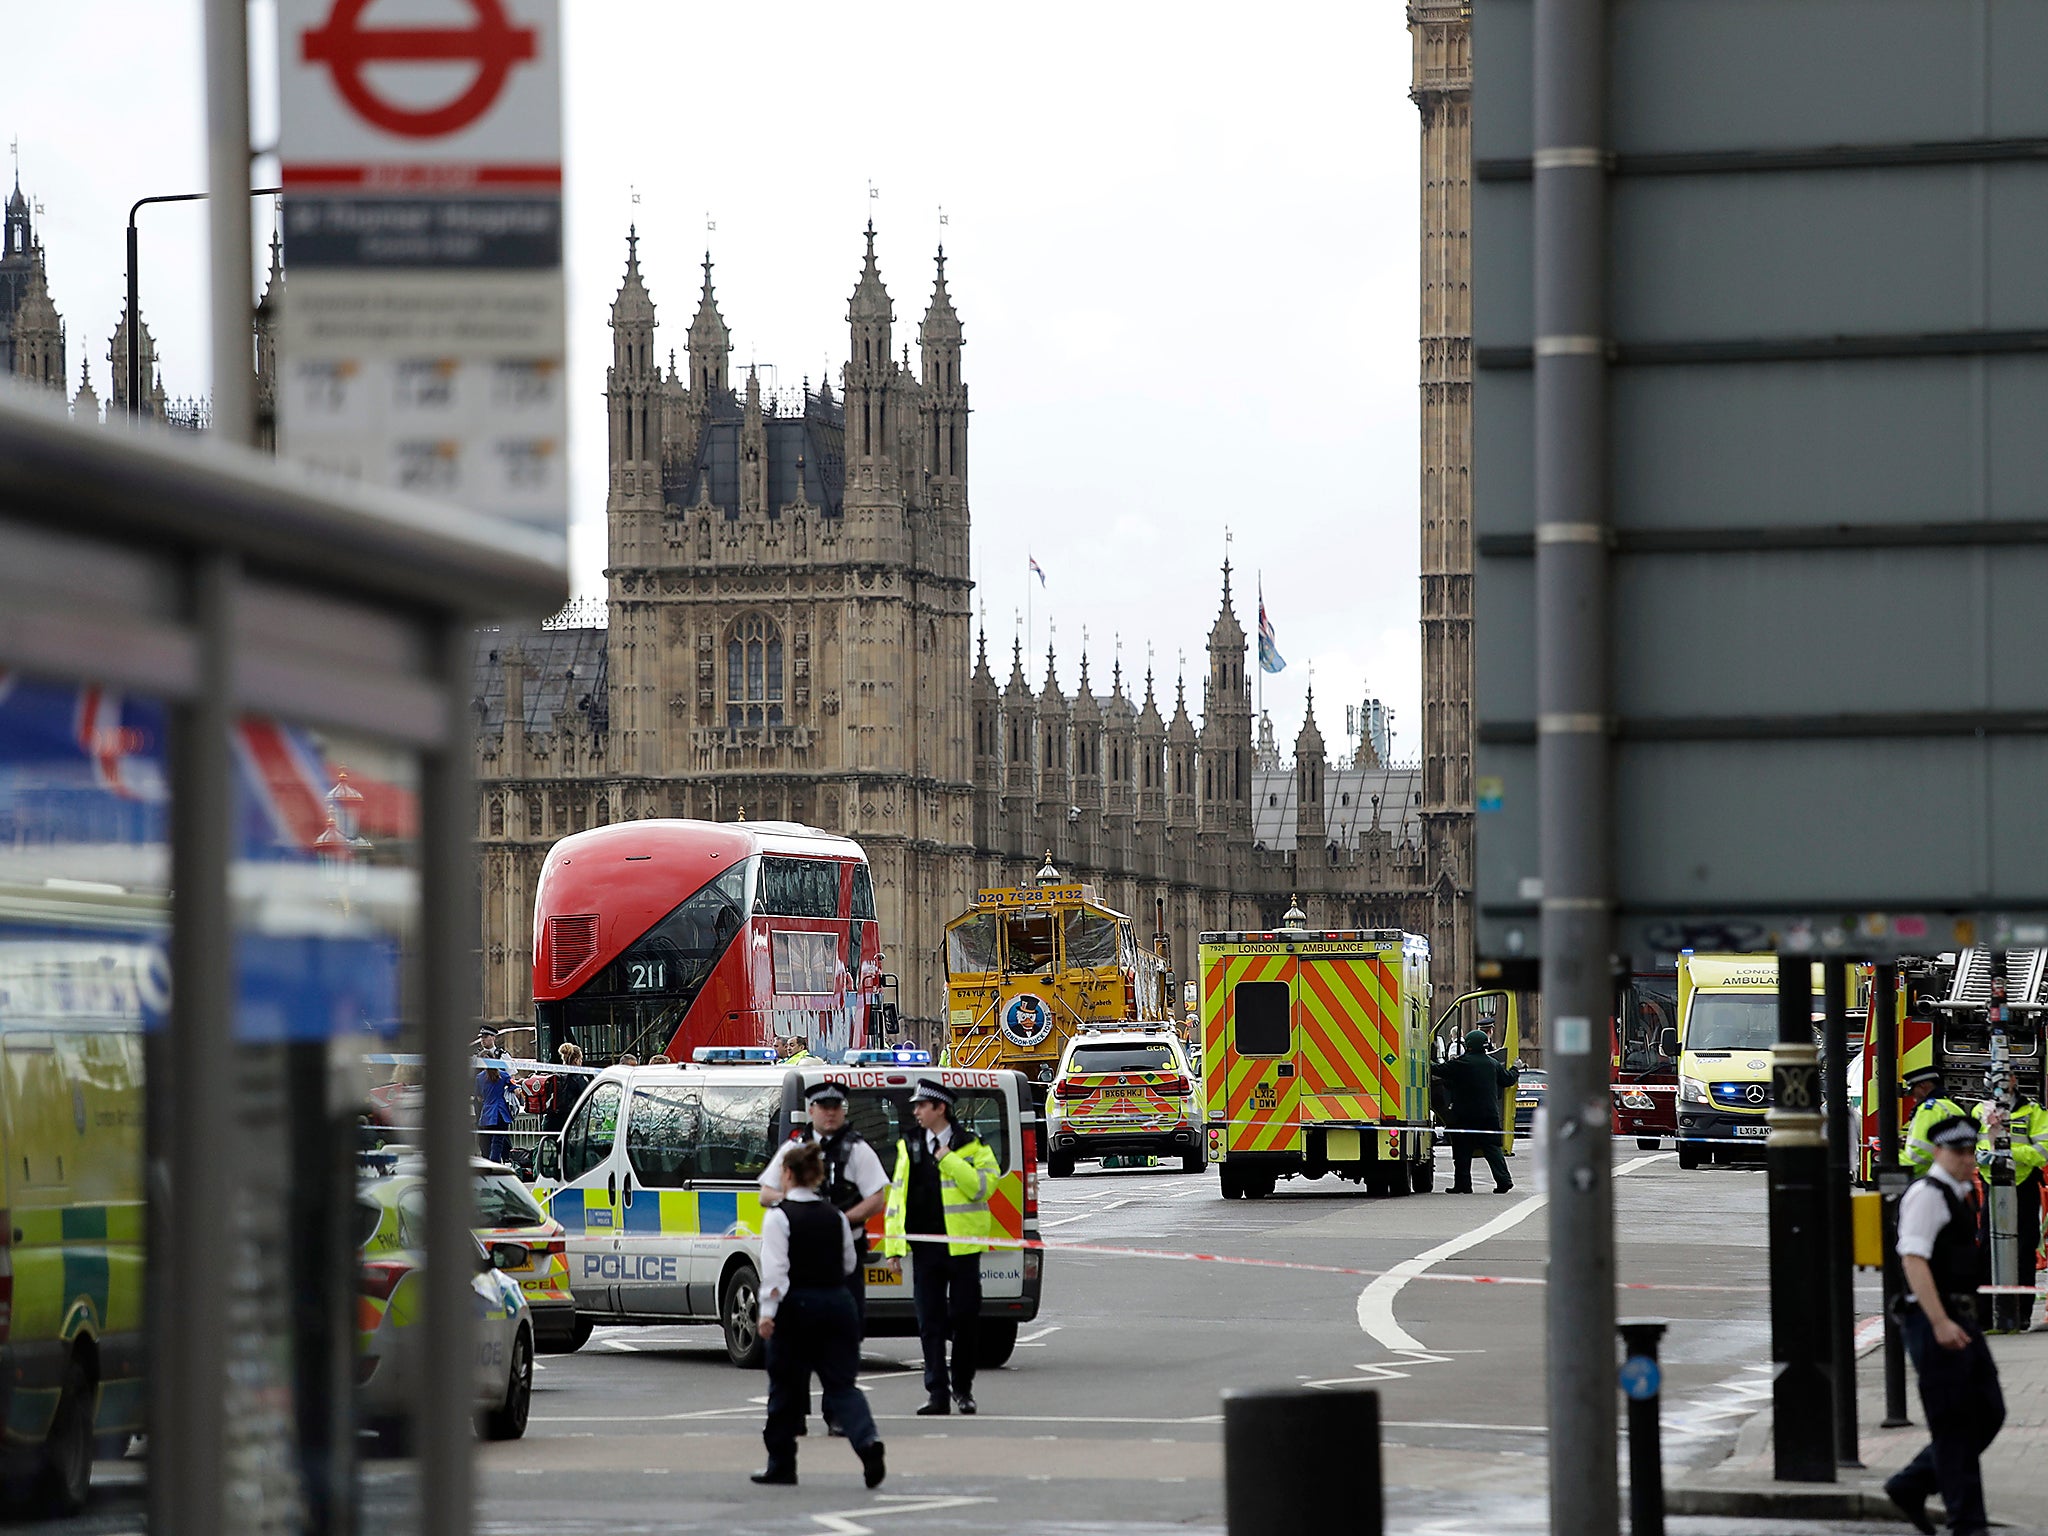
pixel 1131 1056
pixel 884 1118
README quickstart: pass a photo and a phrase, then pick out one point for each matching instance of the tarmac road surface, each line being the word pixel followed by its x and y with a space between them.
pixel 1108 1418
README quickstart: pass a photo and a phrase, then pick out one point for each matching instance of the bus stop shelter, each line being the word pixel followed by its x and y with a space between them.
pixel 259 614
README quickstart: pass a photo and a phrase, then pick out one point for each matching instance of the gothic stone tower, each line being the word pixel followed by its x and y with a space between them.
pixel 1442 89
pixel 788 602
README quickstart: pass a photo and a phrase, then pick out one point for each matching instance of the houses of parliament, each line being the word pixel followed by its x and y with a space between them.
pixel 787 634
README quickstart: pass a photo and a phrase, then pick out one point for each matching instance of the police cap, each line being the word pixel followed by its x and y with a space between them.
pixel 830 1091
pixel 1956 1132
pixel 936 1092
pixel 1922 1075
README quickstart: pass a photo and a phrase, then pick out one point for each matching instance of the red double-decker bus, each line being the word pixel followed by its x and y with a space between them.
pixel 657 937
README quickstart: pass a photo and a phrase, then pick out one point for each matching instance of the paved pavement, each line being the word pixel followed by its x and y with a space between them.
pixel 1108 1419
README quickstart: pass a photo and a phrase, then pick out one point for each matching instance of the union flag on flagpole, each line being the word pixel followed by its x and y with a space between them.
pixel 1270 659
pixel 1037 570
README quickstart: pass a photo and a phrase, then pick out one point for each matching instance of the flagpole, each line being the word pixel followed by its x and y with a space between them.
pixel 1030 634
pixel 1260 648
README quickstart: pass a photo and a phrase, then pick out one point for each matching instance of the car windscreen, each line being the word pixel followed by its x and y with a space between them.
pixel 369 1215
pixel 883 1117
pixel 1732 1021
pixel 502 1201
pixel 1131 1056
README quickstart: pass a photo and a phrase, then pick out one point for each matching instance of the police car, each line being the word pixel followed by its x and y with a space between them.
pixel 1124 1091
pixel 656 1180
pixel 390 1310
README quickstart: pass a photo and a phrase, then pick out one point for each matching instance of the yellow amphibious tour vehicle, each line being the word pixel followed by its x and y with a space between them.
pixel 1028 965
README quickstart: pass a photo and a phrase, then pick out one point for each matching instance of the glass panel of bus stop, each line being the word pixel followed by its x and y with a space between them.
pixel 325 1296
pixel 84 985
pixel 325 898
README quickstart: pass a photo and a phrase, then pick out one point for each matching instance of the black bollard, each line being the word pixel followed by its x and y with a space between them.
pixel 1642 1381
pixel 1297 1460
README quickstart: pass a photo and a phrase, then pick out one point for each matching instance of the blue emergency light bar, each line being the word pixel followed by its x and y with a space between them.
pixel 733 1056
pixel 898 1058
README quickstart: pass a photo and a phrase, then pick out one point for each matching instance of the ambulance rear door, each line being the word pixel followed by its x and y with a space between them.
pixel 1249 1010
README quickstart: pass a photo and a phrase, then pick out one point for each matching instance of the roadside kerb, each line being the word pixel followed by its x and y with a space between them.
pixel 1741 1486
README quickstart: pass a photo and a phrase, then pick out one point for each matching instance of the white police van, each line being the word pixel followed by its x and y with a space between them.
pixel 656 1179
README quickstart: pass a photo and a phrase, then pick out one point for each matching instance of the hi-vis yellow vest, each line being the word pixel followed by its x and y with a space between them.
pixel 966 1176
pixel 1915 1150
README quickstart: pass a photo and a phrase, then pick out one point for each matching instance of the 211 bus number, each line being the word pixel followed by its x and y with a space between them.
pixel 646 975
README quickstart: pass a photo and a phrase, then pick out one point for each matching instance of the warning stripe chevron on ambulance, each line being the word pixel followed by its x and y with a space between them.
pixel 1260 1105
pixel 1349 1012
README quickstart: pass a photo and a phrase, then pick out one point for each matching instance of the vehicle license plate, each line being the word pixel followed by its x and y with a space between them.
pixel 882 1274
pixel 1754 1131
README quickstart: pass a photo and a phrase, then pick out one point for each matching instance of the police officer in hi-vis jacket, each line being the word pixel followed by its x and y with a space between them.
pixel 944 1174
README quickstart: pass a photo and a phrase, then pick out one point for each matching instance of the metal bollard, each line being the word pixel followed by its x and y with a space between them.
pixel 1298 1460
pixel 1641 1380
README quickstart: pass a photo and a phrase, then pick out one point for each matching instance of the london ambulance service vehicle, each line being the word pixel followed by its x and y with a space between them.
pixel 1124 1090
pixel 1727 1028
pixel 82 975
pixel 656 1180
pixel 1028 965
pixel 1316 1050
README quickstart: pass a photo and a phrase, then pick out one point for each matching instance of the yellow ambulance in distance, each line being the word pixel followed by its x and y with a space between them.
pixel 1727 1029
pixel 82 974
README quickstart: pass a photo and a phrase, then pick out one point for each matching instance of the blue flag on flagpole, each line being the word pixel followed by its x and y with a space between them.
pixel 1270 659
pixel 1037 570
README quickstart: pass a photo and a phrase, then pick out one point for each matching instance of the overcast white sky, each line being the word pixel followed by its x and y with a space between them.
pixel 1181 238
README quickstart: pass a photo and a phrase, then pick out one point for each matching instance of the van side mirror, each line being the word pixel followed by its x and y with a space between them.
pixel 548 1160
pixel 1667 1043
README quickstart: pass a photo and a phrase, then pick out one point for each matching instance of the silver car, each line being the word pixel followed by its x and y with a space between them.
pixel 391 1306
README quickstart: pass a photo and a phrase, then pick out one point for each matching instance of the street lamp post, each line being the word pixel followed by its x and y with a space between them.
pixel 134 359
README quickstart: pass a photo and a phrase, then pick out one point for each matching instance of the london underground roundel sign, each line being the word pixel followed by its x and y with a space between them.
pixel 492 44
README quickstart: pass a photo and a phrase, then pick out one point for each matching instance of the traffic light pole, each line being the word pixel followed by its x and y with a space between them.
pixel 2003 1208
pixel 1572 751
pixel 1802 1397
pixel 1891 1182
pixel 1841 1265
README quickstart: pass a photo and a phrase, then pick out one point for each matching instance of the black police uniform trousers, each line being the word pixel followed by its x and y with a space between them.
pixel 1465 1145
pixel 815 1331
pixel 948 1295
pixel 1960 1395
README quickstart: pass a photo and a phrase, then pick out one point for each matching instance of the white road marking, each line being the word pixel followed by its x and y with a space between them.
pixel 1107 1205
pixel 621 1344
pixel 847 1522
pixel 1376 1301
pixel 1033 1338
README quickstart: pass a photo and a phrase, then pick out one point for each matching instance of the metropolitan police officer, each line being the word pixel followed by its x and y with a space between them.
pixel 1930 1107
pixel 1942 1322
pixel 808 1321
pixel 854 1180
pixel 944 1173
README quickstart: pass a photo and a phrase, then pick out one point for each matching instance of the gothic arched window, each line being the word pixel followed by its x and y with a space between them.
pixel 753 674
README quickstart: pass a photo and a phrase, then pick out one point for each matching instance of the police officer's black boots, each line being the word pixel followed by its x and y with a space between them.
pixel 782 1473
pixel 964 1401
pixel 872 1466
